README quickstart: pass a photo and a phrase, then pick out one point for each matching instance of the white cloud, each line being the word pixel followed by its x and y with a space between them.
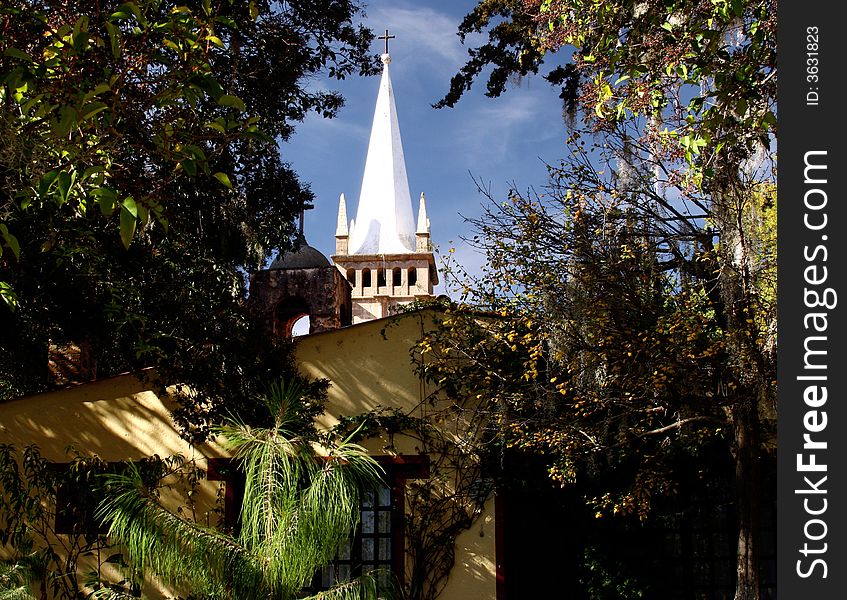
pixel 427 51
pixel 494 128
pixel 338 126
pixel 426 38
pixel 319 134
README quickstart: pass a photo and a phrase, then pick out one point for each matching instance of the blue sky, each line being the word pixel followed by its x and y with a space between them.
pixel 498 141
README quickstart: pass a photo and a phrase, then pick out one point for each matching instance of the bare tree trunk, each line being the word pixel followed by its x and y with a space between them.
pixel 747 497
pixel 749 367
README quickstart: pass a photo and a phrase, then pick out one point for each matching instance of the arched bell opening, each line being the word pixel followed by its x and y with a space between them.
pixel 291 312
pixel 301 326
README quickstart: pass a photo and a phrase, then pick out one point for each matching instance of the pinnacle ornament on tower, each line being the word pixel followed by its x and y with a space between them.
pixel 422 232
pixel 342 232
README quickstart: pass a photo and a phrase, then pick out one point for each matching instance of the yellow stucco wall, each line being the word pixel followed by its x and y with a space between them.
pixel 473 576
pixel 368 365
pixel 118 418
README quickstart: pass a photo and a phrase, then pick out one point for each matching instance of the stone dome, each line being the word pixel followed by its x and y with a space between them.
pixel 305 257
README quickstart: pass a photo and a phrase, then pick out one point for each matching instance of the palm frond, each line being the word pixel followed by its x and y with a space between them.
pixel 183 554
pixel 15 580
pixel 299 506
pixel 365 586
pixel 105 593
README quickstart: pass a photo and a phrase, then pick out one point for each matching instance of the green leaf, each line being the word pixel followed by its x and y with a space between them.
pixel 208 84
pixel 19 91
pixel 224 179
pixel 29 104
pixel 128 223
pixel 106 200
pixel 227 21
pixel 232 101
pixel 67 118
pixel 255 133
pixel 14 246
pixel 196 152
pixel 7 294
pixel 143 215
pixel 129 205
pixel 132 7
pixel 81 36
pixel 114 38
pixel 216 125
pixel 738 8
pixel 46 182
pixel 24 197
pixel 64 186
pixel 11 241
pixel 92 171
pixel 92 108
pixel 189 166
pixel 15 53
pixel 171 44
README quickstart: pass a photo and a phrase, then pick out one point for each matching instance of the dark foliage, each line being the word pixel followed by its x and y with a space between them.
pixel 142 177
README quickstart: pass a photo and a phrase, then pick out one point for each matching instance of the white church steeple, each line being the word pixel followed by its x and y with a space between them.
pixel 384 222
pixel 384 254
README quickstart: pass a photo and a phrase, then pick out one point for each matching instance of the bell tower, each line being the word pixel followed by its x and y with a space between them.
pixel 385 256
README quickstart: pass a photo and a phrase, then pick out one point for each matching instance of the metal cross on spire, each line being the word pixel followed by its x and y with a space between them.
pixel 386 37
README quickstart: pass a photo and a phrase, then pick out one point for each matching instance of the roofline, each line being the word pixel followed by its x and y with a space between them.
pixel 396 316
pixel 140 374
pixel 394 256
pixel 436 308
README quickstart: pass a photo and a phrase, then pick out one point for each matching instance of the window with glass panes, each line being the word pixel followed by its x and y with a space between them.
pixel 370 550
pixel 378 543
